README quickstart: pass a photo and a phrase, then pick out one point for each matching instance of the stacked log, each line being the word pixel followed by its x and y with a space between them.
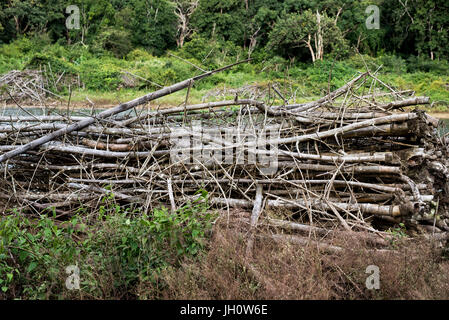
pixel 354 158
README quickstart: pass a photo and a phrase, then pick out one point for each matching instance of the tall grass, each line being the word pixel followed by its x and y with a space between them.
pixel 287 271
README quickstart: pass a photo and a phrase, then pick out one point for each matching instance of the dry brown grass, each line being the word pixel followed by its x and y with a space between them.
pixel 286 271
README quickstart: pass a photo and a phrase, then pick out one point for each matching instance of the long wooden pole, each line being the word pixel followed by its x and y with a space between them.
pixel 110 112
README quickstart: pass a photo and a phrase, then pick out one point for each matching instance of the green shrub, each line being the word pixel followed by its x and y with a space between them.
pixel 8 63
pixel 45 61
pixel 360 62
pixel 24 45
pixel 393 64
pixel 211 54
pixel 416 64
pixel 115 41
pixel 164 70
pixel 275 66
pixel 317 76
pixel 116 251
pixel 33 255
pixel 100 74
pixel 139 55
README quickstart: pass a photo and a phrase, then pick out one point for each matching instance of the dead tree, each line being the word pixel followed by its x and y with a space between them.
pixel 184 10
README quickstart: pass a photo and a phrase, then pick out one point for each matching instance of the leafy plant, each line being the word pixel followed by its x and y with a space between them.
pixel 399 232
pixel 116 252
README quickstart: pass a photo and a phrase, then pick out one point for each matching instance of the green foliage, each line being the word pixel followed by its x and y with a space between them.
pixel 42 60
pixel 388 63
pixel 139 55
pixel 21 46
pixel 115 41
pixel 163 70
pixel 106 76
pixel 95 16
pixel 324 76
pixel 397 233
pixel 400 230
pixel 418 27
pixel 33 254
pixel 153 25
pixel 297 34
pixel 426 84
pixel 221 20
pixel 115 252
pixel 108 82
pixel 416 64
pixel 414 27
pixel 209 53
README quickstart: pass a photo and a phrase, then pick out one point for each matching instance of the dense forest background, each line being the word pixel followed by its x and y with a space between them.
pixel 407 27
pixel 283 38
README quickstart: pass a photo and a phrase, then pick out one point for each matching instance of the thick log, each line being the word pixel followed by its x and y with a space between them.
pixel 195 107
pixel 342 130
pixel 405 103
pixel 41 118
pixel 107 146
pixel 373 186
pixel 366 208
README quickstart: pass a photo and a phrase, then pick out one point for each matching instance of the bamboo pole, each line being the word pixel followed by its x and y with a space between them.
pixel 367 208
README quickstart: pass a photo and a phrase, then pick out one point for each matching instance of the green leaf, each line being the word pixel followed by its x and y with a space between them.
pixel 31 266
pixel 4 289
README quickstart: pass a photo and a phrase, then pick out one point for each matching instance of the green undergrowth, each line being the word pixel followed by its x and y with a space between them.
pixel 103 78
pixel 118 251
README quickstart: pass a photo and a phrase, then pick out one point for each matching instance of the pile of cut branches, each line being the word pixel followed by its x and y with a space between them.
pixel 22 85
pixel 32 86
pixel 353 159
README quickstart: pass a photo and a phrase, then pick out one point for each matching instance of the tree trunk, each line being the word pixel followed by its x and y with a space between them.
pixel 309 45
pixel 319 38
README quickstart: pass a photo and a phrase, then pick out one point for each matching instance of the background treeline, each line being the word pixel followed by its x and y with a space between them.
pixel 407 27
pixel 281 37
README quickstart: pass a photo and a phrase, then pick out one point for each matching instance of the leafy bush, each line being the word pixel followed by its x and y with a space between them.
pixel 33 255
pixel 103 73
pixel 292 31
pixel 115 41
pixel 14 56
pixel 164 70
pixel 47 61
pixel 388 63
pixel 361 61
pixel 107 74
pixel 416 64
pixel 393 64
pixel 24 45
pixel 139 55
pixel 211 54
pixel 116 251
pixel 424 84
pixel 317 76
pixel 275 66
